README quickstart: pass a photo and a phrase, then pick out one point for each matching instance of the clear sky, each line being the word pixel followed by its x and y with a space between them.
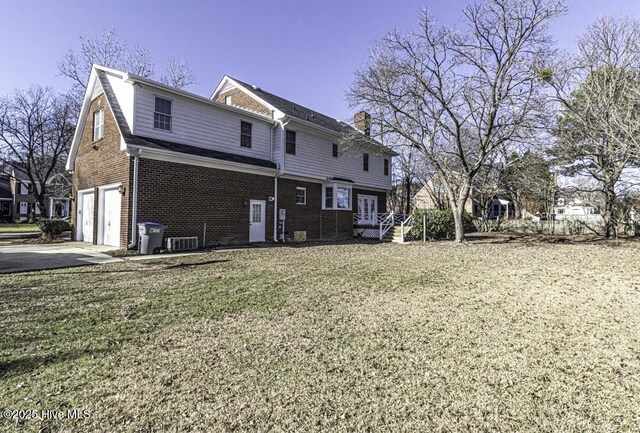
pixel 302 50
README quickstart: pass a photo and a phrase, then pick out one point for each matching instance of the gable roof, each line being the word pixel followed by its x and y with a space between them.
pixel 297 111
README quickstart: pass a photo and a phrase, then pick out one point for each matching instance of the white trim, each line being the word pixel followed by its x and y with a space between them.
pixel 182 158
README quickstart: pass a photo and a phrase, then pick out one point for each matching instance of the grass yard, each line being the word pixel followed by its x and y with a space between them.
pixel 19 228
pixel 516 336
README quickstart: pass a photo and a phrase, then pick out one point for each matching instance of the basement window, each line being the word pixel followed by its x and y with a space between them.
pixel 162 114
pixel 301 195
pixel 98 125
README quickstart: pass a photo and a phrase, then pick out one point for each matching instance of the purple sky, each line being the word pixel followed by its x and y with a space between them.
pixel 301 50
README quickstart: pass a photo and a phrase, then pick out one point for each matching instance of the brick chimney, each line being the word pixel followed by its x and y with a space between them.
pixel 362 122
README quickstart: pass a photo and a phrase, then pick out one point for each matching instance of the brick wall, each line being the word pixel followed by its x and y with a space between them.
pixel 242 100
pixel 186 197
pixel 102 165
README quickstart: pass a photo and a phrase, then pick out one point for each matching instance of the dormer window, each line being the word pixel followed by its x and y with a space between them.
pixel 98 125
pixel 162 114
pixel 227 99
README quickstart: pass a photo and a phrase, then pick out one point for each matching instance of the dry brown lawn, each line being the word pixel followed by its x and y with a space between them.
pixel 498 335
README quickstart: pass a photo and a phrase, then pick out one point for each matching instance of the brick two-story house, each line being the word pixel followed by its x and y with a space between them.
pixel 241 166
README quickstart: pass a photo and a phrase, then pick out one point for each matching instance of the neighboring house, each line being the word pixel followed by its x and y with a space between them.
pixel 433 196
pixel 242 166
pixel 24 203
pixel 6 199
pixel 576 209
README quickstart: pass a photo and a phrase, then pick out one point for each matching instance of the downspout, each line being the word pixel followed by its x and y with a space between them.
pixel 278 173
pixel 134 202
pixel 275 188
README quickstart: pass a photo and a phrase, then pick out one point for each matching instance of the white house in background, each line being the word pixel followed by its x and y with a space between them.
pixel 576 209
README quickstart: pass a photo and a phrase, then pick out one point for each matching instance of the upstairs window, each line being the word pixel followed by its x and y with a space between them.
pixel 334 151
pixel 291 142
pixel 365 161
pixel 301 195
pixel 98 125
pixel 25 188
pixel 162 114
pixel 245 134
pixel 386 167
pixel 227 99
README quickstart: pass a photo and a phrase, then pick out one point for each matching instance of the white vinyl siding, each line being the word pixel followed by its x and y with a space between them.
pixel 314 159
pixel 203 125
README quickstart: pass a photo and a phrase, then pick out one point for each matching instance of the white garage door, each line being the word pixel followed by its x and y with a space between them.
pixel 111 217
pixel 85 216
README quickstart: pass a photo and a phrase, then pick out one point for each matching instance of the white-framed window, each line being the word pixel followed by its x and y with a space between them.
pixel 162 114
pixel 37 208
pixel 24 208
pixel 301 195
pixel 336 196
pixel 98 125
pixel 227 99
pixel 24 188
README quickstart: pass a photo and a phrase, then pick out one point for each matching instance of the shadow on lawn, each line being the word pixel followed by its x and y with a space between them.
pixel 149 270
pixel 28 364
pixel 541 239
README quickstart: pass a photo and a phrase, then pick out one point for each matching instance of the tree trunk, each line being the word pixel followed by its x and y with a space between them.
pixel 610 223
pixel 457 220
pixel 407 190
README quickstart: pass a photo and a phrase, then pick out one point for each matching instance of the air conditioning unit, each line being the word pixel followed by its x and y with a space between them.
pixel 182 244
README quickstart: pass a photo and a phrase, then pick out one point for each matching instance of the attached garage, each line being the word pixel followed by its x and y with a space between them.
pixel 109 214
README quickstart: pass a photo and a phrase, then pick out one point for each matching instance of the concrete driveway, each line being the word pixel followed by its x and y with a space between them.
pixel 22 258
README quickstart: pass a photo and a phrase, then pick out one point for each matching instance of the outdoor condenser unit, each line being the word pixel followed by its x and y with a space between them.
pixel 182 244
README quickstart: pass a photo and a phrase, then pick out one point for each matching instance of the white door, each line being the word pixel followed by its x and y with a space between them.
pixel 367 209
pixel 256 220
pixel 85 216
pixel 111 217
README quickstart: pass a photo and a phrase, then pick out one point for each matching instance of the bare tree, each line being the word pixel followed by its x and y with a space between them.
pixel 36 127
pixel 598 91
pixel 178 74
pixel 457 95
pixel 109 50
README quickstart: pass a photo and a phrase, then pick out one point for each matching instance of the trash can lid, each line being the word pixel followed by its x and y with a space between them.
pixel 152 224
